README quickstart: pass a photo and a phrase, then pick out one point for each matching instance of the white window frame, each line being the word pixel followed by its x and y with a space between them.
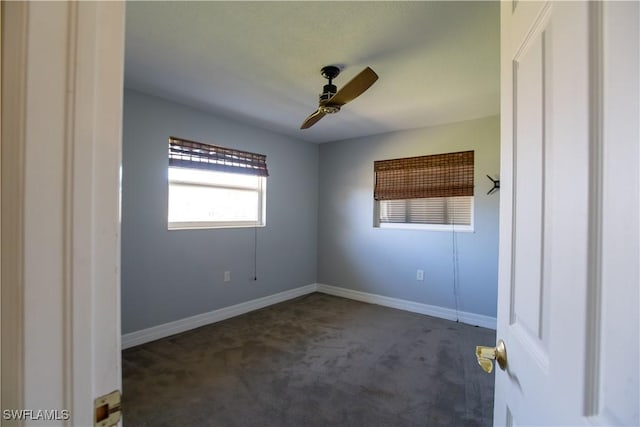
pixel 189 225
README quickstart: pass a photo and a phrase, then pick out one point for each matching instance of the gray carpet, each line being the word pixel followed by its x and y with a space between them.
pixel 317 360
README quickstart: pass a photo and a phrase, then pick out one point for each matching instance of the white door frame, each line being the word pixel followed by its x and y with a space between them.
pixel 61 145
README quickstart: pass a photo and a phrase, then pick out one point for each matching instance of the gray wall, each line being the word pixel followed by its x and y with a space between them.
pixel 319 220
pixel 170 275
pixel 355 255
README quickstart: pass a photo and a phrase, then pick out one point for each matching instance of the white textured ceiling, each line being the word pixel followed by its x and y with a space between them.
pixel 259 62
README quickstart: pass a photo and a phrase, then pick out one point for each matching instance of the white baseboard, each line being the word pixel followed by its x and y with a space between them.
pixel 133 339
pixel 415 307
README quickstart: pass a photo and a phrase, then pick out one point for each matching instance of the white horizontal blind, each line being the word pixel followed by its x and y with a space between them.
pixel 456 210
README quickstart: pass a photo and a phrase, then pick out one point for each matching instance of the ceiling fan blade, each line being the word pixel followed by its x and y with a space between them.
pixel 312 119
pixel 354 88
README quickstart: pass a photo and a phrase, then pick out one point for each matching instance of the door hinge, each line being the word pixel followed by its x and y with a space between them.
pixel 107 409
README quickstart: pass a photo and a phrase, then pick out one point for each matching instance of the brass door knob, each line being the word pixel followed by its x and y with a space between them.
pixel 486 356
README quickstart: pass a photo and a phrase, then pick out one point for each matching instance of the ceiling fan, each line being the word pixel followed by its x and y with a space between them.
pixel 332 99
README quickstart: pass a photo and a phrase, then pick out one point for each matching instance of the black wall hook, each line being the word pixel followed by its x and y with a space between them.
pixel 496 185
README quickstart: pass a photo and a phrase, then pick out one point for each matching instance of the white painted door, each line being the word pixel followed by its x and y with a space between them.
pixel 569 225
pixel 62 71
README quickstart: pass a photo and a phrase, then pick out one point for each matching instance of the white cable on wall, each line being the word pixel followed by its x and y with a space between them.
pixel 456 270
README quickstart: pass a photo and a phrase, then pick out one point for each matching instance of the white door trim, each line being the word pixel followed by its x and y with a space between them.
pixel 61 223
pixel 12 202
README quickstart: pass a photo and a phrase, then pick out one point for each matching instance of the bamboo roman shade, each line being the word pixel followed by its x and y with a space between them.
pixel 440 175
pixel 196 155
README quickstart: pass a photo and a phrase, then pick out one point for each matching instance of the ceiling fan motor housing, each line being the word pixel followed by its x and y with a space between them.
pixel 327 92
pixel 329 72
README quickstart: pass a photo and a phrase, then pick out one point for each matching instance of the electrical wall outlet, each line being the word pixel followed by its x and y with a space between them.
pixel 420 275
pixel 227 276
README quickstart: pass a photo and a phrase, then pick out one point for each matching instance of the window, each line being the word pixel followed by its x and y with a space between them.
pixel 429 192
pixel 213 187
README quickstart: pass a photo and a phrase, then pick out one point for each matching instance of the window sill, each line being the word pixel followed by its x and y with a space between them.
pixel 210 225
pixel 426 227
